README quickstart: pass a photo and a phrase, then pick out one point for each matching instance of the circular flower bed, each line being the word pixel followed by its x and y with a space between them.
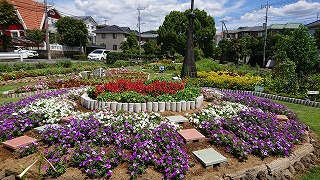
pixel 96 142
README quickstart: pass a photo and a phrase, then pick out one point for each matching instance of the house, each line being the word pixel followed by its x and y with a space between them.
pixel 111 36
pixel 91 26
pixel 145 37
pixel 258 31
pixel 312 27
pixel 32 16
pixel 281 28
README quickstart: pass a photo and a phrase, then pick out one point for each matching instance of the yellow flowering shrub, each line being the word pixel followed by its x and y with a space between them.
pixel 228 80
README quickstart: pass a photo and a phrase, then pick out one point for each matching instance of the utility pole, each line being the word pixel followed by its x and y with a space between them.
pixel 47 29
pixel 139 25
pixel 265 35
pixel 222 22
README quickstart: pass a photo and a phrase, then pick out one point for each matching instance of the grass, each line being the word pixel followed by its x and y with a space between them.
pixel 11 87
pixel 313 174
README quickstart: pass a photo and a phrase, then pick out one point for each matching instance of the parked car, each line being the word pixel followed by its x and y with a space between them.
pixel 98 55
pixel 27 53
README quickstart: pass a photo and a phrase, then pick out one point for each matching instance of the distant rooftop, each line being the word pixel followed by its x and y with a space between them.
pixel 285 26
pixel 113 29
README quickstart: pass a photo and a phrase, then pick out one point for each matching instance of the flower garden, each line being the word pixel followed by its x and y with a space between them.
pixel 96 142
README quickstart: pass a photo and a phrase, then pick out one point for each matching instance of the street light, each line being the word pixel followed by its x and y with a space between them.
pixel 189 65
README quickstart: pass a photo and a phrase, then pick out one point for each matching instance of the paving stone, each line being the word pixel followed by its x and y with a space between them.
pixel 66 118
pixel 41 128
pixel 19 141
pixel 191 135
pixel 209 157
pixel 177 119
pixel 282 118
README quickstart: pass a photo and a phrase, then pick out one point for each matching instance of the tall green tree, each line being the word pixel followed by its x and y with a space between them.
pixel 8 17
pixel 150 47
pixel 131 44
pixel 298 47
pixel 72 32
pixel 37 35
pixel 172 34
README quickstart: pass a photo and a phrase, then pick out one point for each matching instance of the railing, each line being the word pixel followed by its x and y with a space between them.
pixel 12 55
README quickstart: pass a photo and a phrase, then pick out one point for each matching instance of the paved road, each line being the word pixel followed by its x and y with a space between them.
pixel 35 61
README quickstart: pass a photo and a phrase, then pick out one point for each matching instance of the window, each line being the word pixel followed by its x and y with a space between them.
pixel 14 34
pixel 115 47
pixel 114 36
pixel 103 36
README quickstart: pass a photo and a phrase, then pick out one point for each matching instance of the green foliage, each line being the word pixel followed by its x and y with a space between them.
pixel 208 65
pixel 131 45
pixel 8 17
pixel 72 32
pixel 5 67
pixel 82 57
pixel 299 47
pixel 172 34
pixel 151 47
pixel 114 56
pixel 120 63
pixel 317 37
pixel 198 53
pixel 36 34
pixel 64 63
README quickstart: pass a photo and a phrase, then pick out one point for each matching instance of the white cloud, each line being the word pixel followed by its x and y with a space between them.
pixel 125 13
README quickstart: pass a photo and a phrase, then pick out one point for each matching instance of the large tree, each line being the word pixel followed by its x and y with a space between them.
pixel 299 47
pixel 72 32
pixel 36 35
pixel 8 17
pixel 172 34
pixel 130 45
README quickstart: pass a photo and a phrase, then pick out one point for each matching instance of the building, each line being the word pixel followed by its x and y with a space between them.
pixel 258 31
pixel 32 16
pixel 111 36
pixel 91 26
pixel 312 27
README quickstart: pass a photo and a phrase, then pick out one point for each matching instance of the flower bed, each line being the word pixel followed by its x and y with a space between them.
pixel 98 141
pixel 250 127
pixel 227 80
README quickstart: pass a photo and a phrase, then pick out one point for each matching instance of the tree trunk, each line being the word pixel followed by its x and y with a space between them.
pixel 4 38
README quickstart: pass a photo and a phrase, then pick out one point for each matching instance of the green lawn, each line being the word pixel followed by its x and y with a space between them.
pixel 11 87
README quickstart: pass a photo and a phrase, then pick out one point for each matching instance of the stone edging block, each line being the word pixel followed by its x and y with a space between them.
pixel 91 104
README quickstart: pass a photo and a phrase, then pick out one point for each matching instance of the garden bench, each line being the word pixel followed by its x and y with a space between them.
pixel 313 95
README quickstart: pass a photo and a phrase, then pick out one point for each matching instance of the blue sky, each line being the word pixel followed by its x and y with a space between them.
pixel 235 13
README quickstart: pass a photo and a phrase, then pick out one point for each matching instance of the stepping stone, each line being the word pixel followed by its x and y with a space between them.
pixel 282 118
pixel 66 118
pixel 191 135
pixel 177 119
pixel 19 141
pixel 210 157
pixel 41 128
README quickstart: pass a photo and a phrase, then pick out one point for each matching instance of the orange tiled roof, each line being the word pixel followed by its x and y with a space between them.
pixel 31 12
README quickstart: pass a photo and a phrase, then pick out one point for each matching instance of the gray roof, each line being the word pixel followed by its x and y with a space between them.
pixel 251 29
pixel 83 18
pixel 313 24
pixel 113 29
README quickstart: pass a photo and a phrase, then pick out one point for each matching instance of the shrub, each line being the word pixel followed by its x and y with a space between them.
pixel 42 65
pixel 208 65
pixel 64 63
pixel 120 63
pixel 5 67
pixel 82 57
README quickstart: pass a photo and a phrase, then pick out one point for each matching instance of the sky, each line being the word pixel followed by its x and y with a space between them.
pixel 235 13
